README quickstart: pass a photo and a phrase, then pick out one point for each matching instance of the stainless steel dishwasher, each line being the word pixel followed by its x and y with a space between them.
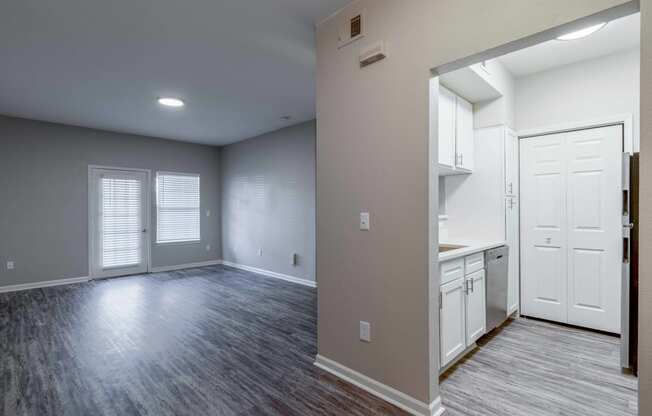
pixel 497 284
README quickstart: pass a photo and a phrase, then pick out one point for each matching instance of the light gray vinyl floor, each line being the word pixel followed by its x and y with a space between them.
pixel 534 368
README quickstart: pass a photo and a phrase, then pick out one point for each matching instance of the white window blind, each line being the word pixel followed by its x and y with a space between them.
pixel 177 208
pixel 121 222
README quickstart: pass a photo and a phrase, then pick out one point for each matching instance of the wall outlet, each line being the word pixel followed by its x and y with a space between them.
pixel 208 212
pixel 260 252
pixel 365 220
pixel 365 331
pixel 10 265
pixel 208 247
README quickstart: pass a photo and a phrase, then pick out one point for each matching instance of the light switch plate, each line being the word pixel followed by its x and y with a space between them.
pixel 10 265
pixel 365 331
pixel 365 221
pixel 208 212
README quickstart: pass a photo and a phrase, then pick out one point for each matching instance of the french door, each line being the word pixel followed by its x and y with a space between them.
pixel 571 215
pixel 118 221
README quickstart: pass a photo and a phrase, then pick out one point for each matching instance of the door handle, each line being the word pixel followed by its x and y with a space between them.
pixel 472 285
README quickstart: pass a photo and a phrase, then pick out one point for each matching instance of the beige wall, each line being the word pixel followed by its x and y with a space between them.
pixel 645 284
pixel 372 154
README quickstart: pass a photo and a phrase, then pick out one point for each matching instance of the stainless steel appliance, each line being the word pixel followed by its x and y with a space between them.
pixel 497 267
pixel 629 305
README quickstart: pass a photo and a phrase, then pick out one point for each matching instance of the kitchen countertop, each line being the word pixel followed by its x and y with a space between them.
pixel 471 248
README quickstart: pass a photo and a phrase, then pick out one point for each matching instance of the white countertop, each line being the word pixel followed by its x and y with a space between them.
pixel 471 248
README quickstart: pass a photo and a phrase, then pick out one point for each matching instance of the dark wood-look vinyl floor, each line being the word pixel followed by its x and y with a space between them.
pixel 535 368
pixel 220 341
pixel 208 341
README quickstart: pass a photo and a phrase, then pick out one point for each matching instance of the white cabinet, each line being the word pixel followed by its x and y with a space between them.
pixel 452 320
pixel 463 310
pixel 511 163
pixel 455 128
pixel 464 135
pixel 476 308
pixel 447 129
pixel 512 239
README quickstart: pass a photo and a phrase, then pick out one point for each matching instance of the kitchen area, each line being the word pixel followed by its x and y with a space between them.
pixel 536 210
pixel 478 211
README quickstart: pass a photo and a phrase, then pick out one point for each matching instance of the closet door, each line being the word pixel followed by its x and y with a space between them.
pixel 543 227
pixel 594 173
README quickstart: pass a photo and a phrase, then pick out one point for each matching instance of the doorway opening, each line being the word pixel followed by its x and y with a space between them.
pixel 537 153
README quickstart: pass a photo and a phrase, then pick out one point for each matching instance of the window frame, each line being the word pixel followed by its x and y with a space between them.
pixel 156 208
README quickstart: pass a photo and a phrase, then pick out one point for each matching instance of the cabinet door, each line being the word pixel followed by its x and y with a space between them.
pixel 511 163
pixel 452 321
pixel 513 282
pixel 476 310
pixel 446 128
pixel 464 134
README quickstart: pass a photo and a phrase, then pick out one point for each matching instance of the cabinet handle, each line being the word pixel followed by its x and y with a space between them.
pixel 472 285
pixel 462 159
pixel 441 298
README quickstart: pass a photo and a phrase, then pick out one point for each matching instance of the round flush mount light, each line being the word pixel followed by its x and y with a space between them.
pixel 582 33
pixel 171 102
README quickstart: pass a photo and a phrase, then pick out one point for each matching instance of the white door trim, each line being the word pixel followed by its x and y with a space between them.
pixel 92 218
pixel 627 120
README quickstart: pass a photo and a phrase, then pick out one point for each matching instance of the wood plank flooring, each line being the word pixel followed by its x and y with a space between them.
pixel 220 341
pixel 535 368
pixel 208 341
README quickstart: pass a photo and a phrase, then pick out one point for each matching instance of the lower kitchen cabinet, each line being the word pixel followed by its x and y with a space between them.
pixel 452 320
pixel 476 308
pixel 463 311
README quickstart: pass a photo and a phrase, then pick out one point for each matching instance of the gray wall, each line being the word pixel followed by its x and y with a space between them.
pixel 268 201
pixel 44 195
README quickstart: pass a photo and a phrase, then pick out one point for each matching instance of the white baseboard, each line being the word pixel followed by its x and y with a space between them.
pixel 185 266
pixel 269 273
pixel 389 394
pixel 39 285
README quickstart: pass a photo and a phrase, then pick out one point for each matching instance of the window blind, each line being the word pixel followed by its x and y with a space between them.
pixel 177 208
pixel 121 222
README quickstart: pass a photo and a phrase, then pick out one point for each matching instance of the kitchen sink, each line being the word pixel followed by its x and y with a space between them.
pixel 449 247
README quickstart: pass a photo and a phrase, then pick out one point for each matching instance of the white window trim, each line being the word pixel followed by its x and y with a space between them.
pixel 155 199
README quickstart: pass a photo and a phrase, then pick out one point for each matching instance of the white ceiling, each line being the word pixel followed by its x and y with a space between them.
pixel 618 35
pixel 240 65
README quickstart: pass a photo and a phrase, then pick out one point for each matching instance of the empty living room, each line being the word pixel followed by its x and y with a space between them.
pixel 246 207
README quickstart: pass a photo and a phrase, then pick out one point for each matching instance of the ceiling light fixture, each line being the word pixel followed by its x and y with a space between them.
pixel 171 102
pixel 582 33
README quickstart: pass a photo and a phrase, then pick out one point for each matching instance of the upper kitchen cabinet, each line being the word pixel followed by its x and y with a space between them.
pixel 464 134
pixel 447 128
pixel 455 133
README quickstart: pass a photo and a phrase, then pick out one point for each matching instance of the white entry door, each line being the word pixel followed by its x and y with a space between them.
pixel 118 221
pixel 571 227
